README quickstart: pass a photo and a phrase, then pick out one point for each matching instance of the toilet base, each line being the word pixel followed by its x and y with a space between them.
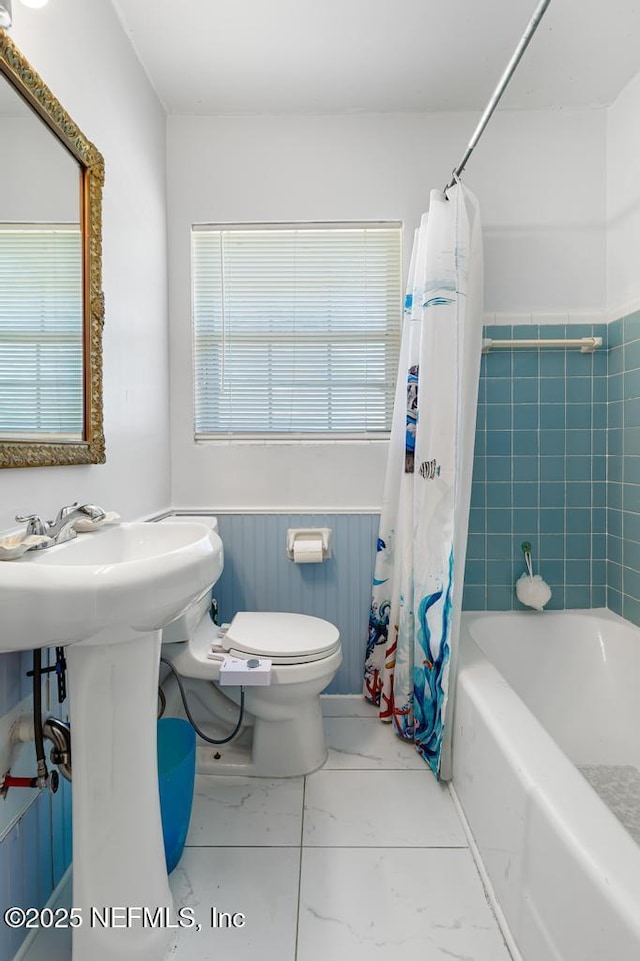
pixel 285 748
pixel 288 742
pixel 233 761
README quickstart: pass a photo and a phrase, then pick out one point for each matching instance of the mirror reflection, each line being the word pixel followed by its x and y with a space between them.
pixel 41 279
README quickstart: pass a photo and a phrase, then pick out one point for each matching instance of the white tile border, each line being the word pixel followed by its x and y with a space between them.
pixel 548 318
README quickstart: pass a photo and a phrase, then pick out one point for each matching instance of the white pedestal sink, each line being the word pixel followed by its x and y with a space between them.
pixel 106 596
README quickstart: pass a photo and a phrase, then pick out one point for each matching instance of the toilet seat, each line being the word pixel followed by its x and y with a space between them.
pixel 284 638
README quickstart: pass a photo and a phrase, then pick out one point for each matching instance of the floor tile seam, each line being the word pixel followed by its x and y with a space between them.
pixel 303 809
pixel 422 769
pixel 382 770
pixel 326 767
pixel 305 844
pixel 254 844
pixel 388 847
pixel 299 892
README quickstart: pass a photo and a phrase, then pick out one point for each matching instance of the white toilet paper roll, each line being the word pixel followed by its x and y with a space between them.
pixel 307 550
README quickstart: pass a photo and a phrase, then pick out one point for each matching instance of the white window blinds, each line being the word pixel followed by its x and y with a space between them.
pixel 41 332
pixel 296 328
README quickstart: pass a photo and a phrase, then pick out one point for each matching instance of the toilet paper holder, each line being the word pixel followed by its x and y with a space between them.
pixel 320 535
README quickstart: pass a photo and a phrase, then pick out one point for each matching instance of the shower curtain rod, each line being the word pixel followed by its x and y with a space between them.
pixel 500 89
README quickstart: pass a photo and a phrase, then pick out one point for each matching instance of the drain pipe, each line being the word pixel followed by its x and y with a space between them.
pixel 59 734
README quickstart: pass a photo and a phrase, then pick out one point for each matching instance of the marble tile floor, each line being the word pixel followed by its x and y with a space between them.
pixel 318 869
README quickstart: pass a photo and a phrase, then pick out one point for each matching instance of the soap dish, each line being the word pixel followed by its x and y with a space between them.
pixel 84 524
pixel 15 545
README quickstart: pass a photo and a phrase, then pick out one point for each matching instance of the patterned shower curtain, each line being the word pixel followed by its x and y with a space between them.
pixel 417 587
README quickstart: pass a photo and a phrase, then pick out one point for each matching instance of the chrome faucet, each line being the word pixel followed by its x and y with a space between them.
pixel 61 529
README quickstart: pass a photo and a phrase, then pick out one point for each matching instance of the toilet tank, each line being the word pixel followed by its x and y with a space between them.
pixel 184 626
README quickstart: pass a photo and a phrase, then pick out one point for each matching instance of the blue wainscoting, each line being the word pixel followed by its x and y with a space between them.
pixel 36 851
pixel 258 576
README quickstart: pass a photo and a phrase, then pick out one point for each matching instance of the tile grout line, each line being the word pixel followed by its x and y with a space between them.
pixel 245 847
pixel 388 770
pixel 461 846
pixel 304 791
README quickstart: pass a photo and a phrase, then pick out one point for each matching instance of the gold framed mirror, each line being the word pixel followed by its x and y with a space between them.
pixel 51 300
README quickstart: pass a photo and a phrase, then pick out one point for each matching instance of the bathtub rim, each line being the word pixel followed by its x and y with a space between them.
pixel 593 613
pixel 609 855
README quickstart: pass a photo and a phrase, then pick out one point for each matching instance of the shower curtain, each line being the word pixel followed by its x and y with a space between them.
pixel 419 569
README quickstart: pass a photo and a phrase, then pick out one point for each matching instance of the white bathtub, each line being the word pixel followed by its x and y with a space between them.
pixel 538 694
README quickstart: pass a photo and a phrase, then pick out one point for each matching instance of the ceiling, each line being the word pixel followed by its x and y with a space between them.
pixel 344 56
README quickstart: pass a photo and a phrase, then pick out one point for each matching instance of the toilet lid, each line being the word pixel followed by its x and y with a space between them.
pixel 286 638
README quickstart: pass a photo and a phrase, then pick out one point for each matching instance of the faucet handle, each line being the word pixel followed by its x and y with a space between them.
pixel 35 524
pixel 93 512
pixel 62 513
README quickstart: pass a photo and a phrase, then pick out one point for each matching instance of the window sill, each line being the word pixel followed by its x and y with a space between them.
pixel 300 440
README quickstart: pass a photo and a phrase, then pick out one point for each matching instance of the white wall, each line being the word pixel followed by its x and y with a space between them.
pixel 623 202
pixel 540 178
pixel 79 48
pixel 29 148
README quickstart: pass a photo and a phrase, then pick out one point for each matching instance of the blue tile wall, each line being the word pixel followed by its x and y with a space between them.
pixel 540 471
pixel 623 506
pixel 258 576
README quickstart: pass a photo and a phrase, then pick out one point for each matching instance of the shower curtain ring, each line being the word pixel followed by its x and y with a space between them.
pixel 455 179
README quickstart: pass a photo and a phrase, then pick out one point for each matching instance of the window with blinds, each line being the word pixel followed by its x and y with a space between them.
pixel 296 328
pixel 41 332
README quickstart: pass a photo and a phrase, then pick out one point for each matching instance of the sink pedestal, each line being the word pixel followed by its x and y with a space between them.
pixel 118 853
pixel 106 596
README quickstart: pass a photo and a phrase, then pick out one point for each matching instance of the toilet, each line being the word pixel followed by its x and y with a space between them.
pixel 282 733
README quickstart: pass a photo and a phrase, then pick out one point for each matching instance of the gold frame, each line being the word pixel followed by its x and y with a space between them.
pixel 91 450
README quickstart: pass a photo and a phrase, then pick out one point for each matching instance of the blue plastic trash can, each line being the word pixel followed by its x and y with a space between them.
pixel 176 774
